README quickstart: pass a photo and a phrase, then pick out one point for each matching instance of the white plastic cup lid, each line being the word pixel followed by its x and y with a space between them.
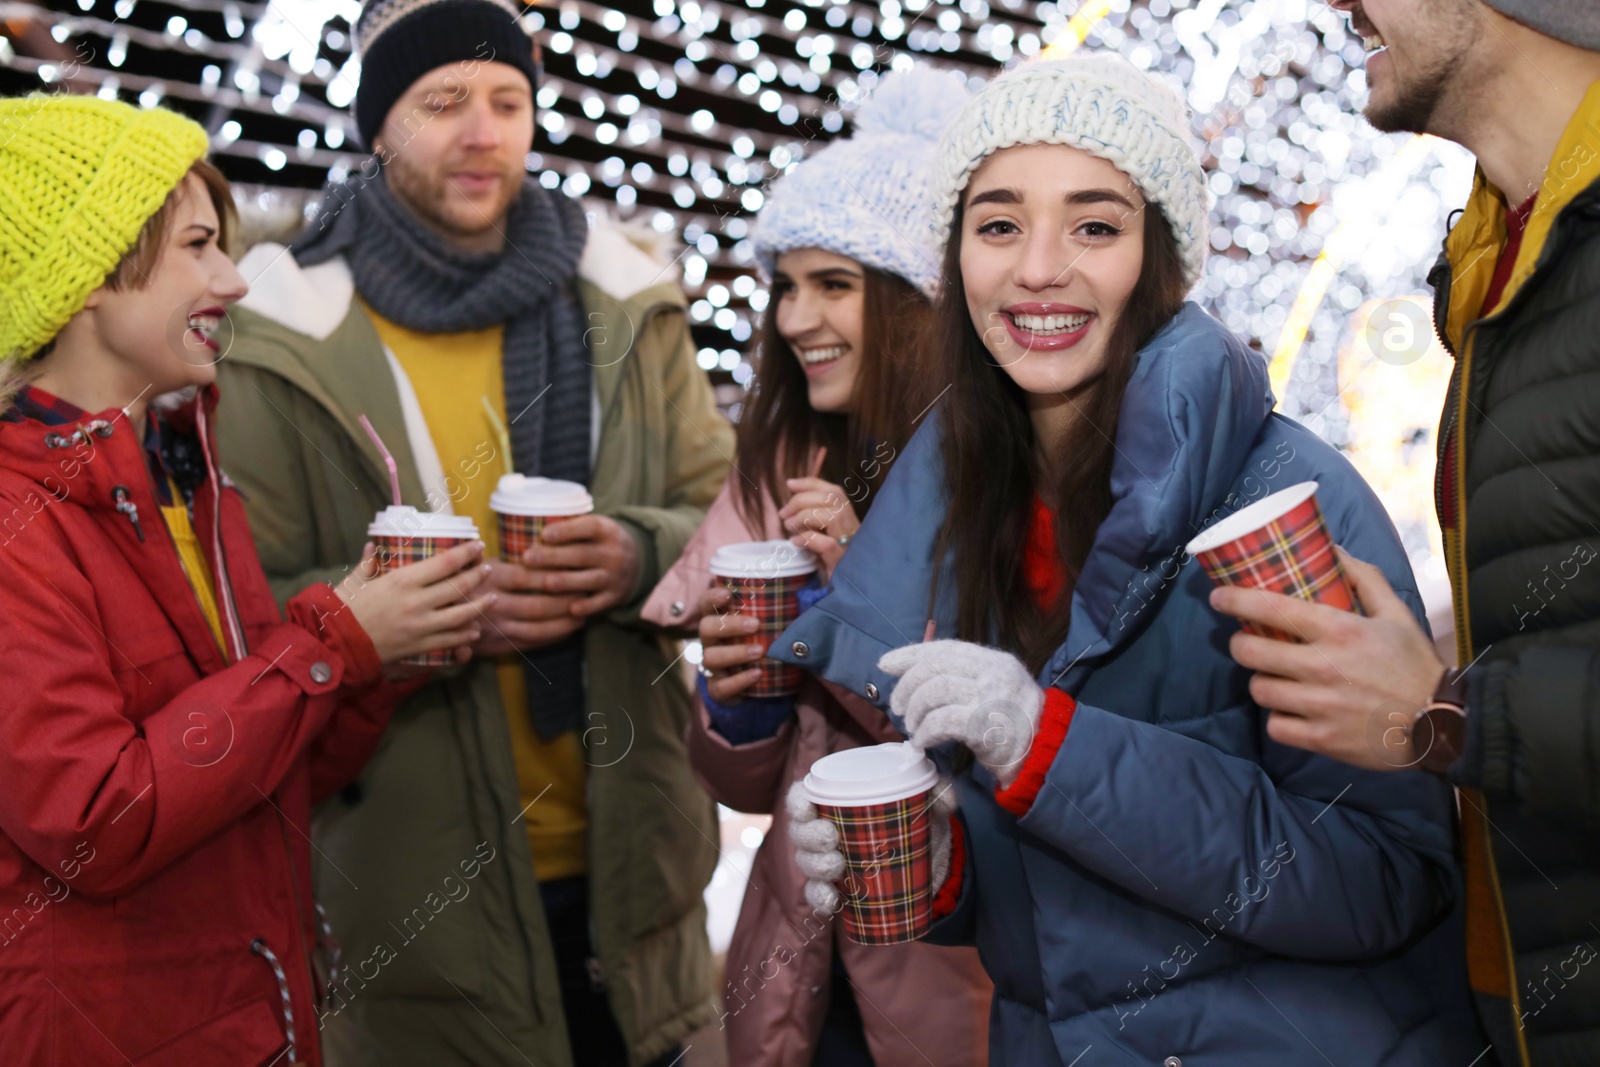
pixel 1250 519
pixel 401 520
pixel 762 559
pixel 876 774
pixel 518 494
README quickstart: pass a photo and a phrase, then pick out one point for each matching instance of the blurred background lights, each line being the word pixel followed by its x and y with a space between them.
pixel 678 117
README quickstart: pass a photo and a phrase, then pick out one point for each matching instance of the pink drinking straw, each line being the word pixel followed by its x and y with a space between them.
pixel 388 459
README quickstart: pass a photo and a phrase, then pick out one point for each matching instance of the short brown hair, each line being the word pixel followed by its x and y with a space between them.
pixel 136 264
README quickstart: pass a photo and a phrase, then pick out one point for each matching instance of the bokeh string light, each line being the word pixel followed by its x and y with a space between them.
pixel 680 112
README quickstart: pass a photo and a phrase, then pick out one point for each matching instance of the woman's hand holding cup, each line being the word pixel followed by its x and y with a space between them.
pixel 422 607
pixel 730 652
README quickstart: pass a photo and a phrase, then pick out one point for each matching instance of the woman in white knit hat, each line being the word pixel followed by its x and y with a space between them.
pixel 846 242
pixel 1149 877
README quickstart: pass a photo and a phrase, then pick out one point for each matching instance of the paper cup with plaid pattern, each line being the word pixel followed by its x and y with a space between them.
pixel 878 797
pixel 765 578
pixel 1281 544
pixel 524 506
pixel 402 535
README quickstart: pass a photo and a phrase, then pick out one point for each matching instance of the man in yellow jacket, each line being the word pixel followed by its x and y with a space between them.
pixel 1515 723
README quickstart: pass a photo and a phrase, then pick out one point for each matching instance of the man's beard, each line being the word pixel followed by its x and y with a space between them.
pixel 427 195
pixel 1414 105
pixel 1418 94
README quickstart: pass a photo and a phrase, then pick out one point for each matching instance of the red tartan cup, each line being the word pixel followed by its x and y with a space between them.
pixel 402 535
pixel 878 798
pixel 765 578
pixel 524 506
pixel 1281 544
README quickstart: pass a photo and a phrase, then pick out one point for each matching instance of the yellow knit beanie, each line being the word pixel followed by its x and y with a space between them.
pixel 79 176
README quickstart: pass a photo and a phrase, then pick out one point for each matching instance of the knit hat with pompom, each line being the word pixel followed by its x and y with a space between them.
pixel 1100 103
pixel 867 196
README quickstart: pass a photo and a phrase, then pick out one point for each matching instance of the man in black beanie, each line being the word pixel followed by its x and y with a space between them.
pixel 517 877
pixel 1515 722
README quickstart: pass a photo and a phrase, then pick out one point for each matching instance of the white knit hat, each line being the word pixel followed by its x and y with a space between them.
pixel 1099 103
pixel 867 196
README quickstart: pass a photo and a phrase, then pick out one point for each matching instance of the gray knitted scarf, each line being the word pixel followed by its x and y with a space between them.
pixel 414 278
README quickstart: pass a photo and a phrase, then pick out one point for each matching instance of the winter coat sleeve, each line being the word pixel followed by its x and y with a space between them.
pixel 74 767
pixel 1336 863
pixel 698 446
pixel 260 420
pixel 1534 731
pixel 743 777
pixel 342 749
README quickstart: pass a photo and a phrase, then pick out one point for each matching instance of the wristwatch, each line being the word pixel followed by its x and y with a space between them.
pixel 1438 733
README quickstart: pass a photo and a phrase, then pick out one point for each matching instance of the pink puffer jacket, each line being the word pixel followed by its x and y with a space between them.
pixel 920 1004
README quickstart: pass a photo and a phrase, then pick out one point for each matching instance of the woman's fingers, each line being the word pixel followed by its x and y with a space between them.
pixel 367 569
pixel 442 565
pixel 458 615
pixel 453 639
pixel 716 627
pixel 728 690
pixel 828 549
pixel 730 656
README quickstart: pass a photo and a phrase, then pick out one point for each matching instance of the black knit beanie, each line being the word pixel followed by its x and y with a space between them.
pixel 401 40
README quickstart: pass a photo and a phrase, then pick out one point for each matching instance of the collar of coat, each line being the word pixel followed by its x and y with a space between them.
pixel 87 456
pixel 1475 242
pixel 1193 410
pixel 617 260
pixel 303 324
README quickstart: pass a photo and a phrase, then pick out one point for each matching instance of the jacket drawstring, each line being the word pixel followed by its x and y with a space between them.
pixel 259 948
pixel 120 494
pixel 330 945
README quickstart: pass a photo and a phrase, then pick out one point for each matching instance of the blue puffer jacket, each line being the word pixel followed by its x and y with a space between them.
pixel 1184 889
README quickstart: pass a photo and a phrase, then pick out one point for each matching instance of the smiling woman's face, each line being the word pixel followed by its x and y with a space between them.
pixel 820 302
pixel 1052 243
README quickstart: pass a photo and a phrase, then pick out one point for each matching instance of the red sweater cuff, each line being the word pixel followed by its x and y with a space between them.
pixel 944 902
pixel 320 609
pixel 1018 797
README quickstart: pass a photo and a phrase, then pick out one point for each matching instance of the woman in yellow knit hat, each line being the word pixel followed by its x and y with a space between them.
pixel 165 732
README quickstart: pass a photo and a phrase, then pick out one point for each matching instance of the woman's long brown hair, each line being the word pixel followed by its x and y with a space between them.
pixel 989 461
pixel 779 430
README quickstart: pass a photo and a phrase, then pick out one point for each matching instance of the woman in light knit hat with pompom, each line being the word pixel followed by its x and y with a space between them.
pixel 844 239
pixel 1150 877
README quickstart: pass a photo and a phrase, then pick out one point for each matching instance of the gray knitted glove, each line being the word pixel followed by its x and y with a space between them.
pixel 817 853
pixel 959 691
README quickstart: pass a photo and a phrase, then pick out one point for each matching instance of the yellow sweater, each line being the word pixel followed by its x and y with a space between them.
pixel 451 374
pixel 193 560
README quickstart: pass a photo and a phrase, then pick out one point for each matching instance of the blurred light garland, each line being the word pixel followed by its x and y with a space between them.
pixel 681 113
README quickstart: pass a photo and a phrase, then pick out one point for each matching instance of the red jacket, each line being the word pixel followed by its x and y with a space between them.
pixel 155 796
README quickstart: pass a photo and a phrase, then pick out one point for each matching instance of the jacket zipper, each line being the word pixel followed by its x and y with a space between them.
pixel 1554 243
pixel 125 504
pixel 294 900
pixel 230 607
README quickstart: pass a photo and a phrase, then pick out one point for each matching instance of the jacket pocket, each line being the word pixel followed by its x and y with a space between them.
pixel 250 1033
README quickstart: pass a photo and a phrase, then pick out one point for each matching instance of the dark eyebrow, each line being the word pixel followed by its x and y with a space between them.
pixel 827 272
pixel 1099 196
pixel 995 196
pixel 1082 196
pixel 210 231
